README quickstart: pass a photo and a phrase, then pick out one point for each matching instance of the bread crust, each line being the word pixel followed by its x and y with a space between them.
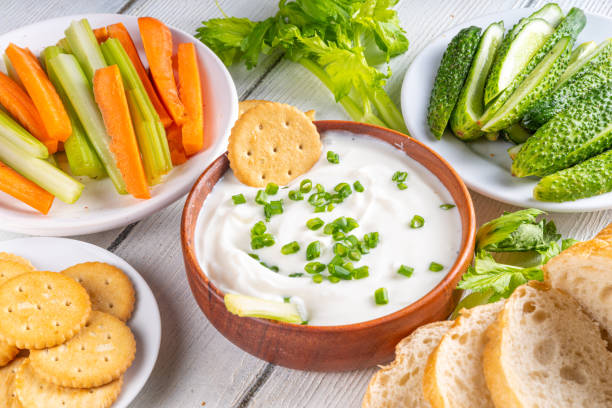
pixel 600 245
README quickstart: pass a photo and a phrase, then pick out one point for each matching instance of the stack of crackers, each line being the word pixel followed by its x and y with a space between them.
pixel 63 338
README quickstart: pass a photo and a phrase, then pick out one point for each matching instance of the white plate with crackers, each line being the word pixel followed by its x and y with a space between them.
pixel 100 208
pixel 93 331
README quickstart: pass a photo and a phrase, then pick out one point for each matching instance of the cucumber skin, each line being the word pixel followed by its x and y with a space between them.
pixel 570 26
pixel 574 135
pixel 453 70
pixel 569 93
pixel 589 178
pixel 544 85
pixel 464 126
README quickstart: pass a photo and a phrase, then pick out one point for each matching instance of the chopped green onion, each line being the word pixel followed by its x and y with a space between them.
pixel 402 186
pixel 319 209
pixel 320 188
pixel 330 207
pixel 290 248
pixel 336 260
pixel 313 250
pixel 361 272
pixel 340 271
pixel 371 239
pixel 287 299
pixel 260 241
pixel 352 241
pixel 399 176
pixel 273 208
pixel 417 222
pixel 318 278
pixel 338 236
pixel 381 296
pixel 340 249
pixel 295 195
pixel 447 206
pixel 405 270
pixel 333 279
pixel 271 267
pixel 305 186
pixel 314 267
pixel 351 224
pixel 333 157
pixel 238 199
pixel 261 197
pixel 343 189
pixel 296 275
pixel 348 265
pixel 258 229
pixel 330 229
pixel 319 199
pixel 358 187
pixel 435 267
pixel 271 188
pixel 314 224
pixel 354 255
pixel 254 256
pixel 363 248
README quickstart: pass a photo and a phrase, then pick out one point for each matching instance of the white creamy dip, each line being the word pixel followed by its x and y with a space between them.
pixel 223 240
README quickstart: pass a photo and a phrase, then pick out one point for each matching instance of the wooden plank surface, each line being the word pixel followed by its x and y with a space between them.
pixel 196 364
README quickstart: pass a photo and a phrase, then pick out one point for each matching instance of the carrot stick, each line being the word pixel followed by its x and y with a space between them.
pixel 175 143
pixel 43 94
pixel 157 42
pixel 111 99
pixel 119 32
pixel 101 34
pixel 24 190
pixel 17 102
pixel 191 95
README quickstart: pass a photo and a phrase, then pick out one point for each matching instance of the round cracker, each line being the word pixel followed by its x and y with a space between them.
pixel 272 143
pixel 11 268
pixel 33 392
pixel 100 353
pixel 109 289
pixel 7 353
pixel 42 309
pixel 6 256
pixel 8 395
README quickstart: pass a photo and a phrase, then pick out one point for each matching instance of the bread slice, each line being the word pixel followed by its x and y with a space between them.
pixel 453 375
pixel 585 271
pixel 544 351
pixel 398 385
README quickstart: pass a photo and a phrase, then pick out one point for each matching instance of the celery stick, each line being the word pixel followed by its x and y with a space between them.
pixel 52 161
pixel 85 48
pixel 12 132
pixel 64 46
pixel 41 172
pixel 114 53
pixel 149 149
pixel 74 83
pixel 10 71
pixel 82 158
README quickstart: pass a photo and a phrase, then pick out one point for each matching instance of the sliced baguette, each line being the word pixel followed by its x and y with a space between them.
pixel 585 271
pixel 398 385
pixel 544 351
pixel 453 375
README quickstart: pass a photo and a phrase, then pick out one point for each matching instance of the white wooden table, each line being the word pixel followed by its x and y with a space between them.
pixel 196 364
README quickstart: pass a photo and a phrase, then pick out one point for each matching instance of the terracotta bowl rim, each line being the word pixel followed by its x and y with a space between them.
pixel 463 258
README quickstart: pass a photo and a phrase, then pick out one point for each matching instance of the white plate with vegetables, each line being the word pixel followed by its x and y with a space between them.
pixel 95 204
pixel 486 165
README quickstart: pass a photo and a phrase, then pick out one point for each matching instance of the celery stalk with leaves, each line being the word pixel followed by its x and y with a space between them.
pixel 527 242
pixel 339 41
pixel 82 158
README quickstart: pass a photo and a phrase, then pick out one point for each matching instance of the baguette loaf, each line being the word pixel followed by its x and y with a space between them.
pixel 544 351
pixel 585 271
pixel 398 385
pixel 453 375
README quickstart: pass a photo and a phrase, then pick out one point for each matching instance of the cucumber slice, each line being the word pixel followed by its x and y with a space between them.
pixel 541 79
pixel 551 13
pixel 248 306
pixel 516 134
pixel 581 51
pixel 570 26
pixel 469 107
pixel 510 63
pixel 599 55
pixel 514 151
pixel 450 78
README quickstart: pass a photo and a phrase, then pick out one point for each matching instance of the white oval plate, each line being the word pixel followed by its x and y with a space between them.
pixel 57 254
pixel 100 208
pixel 484 165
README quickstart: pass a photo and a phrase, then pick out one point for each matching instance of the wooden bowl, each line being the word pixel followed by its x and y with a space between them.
pixel 331 348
